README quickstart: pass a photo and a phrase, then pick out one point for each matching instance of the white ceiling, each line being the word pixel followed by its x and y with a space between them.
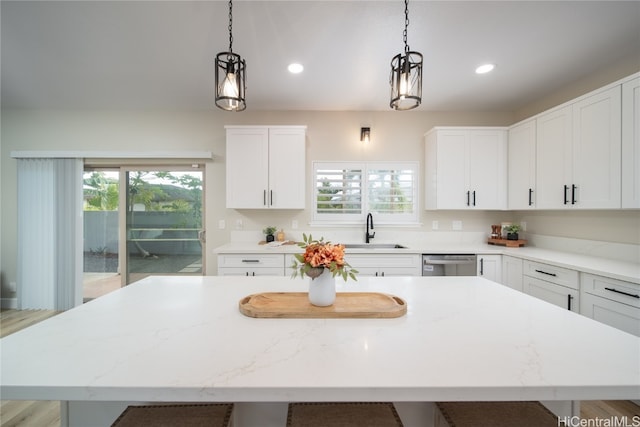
pixel 159 54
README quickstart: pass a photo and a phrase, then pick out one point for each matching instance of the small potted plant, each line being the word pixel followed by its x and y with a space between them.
pixel 512 231
pixel 269 231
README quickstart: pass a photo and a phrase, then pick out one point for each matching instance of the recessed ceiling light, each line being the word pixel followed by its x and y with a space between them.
pixel 295 68
pixel 485 68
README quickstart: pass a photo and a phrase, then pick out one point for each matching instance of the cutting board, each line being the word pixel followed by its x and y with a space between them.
pixel 507 243
pixel 347 305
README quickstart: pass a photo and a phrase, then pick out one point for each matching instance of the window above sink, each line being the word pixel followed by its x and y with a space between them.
pixel 345 192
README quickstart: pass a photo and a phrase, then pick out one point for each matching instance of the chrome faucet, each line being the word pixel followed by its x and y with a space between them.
pixel 368 235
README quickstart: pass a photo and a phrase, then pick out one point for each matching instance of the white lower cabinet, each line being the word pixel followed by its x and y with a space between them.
pixel 556 285
pixel 251 265
pixel 385 265
pixel 610 301
pixel 512 272
pixel 490 267
pixel 550 292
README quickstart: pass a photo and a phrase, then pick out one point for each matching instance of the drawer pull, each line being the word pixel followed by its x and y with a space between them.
pixel 623 293
pixel 251 260
pixel 569 298
pixel 548 274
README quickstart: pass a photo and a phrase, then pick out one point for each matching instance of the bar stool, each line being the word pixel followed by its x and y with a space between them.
pixel 493 414
pixel 357 414
pixel 183 415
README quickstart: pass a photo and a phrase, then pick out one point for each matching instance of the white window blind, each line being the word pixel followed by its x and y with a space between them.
pixel 49 273
pixel 346 191
pixel 392 192
pixel 338 190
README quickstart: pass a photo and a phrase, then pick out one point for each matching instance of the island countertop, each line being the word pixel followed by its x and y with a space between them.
pixel 184 339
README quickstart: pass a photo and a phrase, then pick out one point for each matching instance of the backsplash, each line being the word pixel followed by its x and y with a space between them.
pixel 610 250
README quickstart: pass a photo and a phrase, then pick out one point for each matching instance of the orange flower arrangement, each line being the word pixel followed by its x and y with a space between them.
pixel 319 255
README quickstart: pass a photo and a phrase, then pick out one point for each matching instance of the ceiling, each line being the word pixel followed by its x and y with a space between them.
pixel 159 54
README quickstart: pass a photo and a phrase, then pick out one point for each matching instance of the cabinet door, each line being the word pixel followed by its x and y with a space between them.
pixel 452 166
pixel 247 168
pixel 621 316
pixel 553 158
pixel 521 166
pixel 555 294
pixel 400 271
pixel 486 165
pixel 512 272
pixel 286 168
pixel 596 150
pixel 490 267
pixel 239 271
pixel 631 144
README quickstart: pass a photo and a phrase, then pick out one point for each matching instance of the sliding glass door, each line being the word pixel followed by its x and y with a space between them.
pixel 101 273
pixel 141 221
pixel 163 217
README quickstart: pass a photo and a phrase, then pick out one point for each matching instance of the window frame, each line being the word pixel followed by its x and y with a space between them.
pixel 405 219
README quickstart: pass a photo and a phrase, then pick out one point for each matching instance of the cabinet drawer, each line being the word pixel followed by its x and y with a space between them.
pixel 612 289
pixel 612 313
pixel 383 261
pixel 553 274
pixel 251 260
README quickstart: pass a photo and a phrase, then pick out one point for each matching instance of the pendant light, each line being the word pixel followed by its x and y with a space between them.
pixel 406 74
pixel 230 75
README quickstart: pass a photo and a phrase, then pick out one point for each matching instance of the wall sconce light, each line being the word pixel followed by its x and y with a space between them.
pixel 365 135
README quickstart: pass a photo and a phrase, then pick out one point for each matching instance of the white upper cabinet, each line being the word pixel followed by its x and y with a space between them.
pixel 553 158
pixel 631 144
pixel 597 143
pixel 578 150
pixel 522 166
pixel 265 167
pixel 465 168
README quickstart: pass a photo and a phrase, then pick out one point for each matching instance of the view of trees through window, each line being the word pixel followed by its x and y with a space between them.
pixel 163 211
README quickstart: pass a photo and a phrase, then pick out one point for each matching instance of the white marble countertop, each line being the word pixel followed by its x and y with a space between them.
pixel 627 271
pixel 184 339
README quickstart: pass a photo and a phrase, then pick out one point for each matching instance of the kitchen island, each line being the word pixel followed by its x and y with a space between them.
pixel 183 339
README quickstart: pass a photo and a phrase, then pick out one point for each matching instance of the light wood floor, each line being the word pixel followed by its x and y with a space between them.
pixel 47 414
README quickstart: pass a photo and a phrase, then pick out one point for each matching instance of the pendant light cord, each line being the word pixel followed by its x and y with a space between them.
pixel 231 26
pixel 406 25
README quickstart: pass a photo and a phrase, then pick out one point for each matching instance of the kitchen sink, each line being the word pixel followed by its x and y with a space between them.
pixel 373 246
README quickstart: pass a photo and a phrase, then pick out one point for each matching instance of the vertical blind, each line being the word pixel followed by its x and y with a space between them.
pixel 49 274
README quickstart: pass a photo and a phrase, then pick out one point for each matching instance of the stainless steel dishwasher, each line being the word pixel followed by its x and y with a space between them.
pixel 449 265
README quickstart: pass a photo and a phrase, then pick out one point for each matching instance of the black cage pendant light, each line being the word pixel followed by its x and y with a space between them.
pixel 230 75
pixel 406 74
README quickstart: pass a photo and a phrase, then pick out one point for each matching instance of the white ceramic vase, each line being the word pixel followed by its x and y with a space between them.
pixel 322 289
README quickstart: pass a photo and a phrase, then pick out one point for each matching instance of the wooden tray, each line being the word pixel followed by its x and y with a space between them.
pixel 507 243
pixel 347 305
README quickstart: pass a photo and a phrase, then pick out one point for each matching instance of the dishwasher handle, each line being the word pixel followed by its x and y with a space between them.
pixel 447 262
